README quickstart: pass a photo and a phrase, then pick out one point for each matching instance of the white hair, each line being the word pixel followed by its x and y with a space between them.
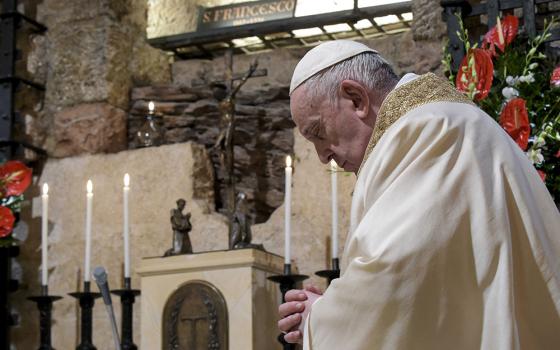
pixel 367 68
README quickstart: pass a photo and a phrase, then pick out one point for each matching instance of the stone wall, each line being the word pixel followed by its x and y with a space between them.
pixel 262 139
pixel 89 59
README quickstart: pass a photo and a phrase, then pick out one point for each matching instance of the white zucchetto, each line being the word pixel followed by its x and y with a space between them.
pixel 324 56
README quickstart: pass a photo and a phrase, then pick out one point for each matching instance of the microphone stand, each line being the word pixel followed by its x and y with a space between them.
pixel 128 297
pixel 87 300
pixel 101 279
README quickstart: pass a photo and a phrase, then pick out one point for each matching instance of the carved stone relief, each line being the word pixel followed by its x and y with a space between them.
pixel 195 318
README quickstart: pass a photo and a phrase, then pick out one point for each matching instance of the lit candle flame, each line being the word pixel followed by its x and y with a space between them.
pixel 45 189
pixel 126 180
pixel 89 187
pixel 333 165
pixel 151 107
pixel 288 162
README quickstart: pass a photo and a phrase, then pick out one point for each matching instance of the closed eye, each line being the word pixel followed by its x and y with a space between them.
pixel 314 130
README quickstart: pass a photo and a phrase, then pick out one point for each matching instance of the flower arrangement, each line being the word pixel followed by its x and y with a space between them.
pixel 515 82
pixel 15 178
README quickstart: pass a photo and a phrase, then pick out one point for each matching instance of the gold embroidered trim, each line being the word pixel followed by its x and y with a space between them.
pixel 425 89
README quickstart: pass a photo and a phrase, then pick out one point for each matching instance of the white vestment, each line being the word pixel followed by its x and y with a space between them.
pixel 454 240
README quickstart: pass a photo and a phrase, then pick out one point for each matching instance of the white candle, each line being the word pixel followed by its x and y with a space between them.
pixel 44 235
pixel 334 207
pixel 288 208
pixel 151 107
pixel 88 230
pixel 126 189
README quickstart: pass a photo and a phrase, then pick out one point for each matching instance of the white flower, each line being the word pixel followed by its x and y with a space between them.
pixel 539 142
pixel 509 93
pixel 535 156
pixel 511 81
pixel 529 78
pixel 533 65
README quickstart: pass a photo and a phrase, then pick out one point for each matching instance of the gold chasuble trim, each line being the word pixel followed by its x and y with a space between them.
pixel 427 88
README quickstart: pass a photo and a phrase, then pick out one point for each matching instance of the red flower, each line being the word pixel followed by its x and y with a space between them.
pixel 558 154
pixel 515 120
pixel 542 174
pixel 509 26
pixel 15 177
pixel 7 220
pixel 555 77
pixel 477 68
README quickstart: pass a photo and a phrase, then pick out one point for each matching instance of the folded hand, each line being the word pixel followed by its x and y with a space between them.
pixel 294 311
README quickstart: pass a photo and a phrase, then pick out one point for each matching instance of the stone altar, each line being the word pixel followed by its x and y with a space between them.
pixel 239 277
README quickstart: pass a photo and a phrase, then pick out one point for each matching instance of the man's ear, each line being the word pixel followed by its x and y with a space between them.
pixel 356 94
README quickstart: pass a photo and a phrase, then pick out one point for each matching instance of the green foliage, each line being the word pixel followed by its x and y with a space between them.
pixel 7 242
pixel 12 202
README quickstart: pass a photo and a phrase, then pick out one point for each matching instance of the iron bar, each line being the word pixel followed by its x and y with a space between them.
pixel 19 16
pixel 529 18
pixel 493 10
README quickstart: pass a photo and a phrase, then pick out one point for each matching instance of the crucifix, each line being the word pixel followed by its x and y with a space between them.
pixel 225 91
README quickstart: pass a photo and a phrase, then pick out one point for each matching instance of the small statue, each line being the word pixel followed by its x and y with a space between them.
pixel 181 225
pixel 241 227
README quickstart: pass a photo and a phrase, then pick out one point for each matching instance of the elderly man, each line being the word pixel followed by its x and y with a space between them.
pixel 454 240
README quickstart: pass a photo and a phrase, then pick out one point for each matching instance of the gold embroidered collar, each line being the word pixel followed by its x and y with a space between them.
pixel 427 88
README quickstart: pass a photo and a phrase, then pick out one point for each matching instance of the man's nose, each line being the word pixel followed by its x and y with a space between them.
pixel 323 153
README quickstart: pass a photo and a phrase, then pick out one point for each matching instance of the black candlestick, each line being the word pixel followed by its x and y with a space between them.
pixel 87 300
pixel 128 296
pixel 331 274
pixel 287 281
pixel 44 304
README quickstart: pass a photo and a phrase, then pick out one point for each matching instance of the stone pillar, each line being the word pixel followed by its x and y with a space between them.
pixel 95 51
pixel 428 22
pixel 420 50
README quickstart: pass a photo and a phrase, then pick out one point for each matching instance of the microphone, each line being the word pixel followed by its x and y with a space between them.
pixel 100 277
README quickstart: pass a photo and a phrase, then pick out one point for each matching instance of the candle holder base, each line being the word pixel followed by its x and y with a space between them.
pixel 87 300
pixel 128 296
pixel 287 281
pixel 331 274
pixel 44 304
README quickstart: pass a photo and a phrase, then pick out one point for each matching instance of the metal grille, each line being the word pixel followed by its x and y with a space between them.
pixel 531 12
pixel 11 22
pixel 293 32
